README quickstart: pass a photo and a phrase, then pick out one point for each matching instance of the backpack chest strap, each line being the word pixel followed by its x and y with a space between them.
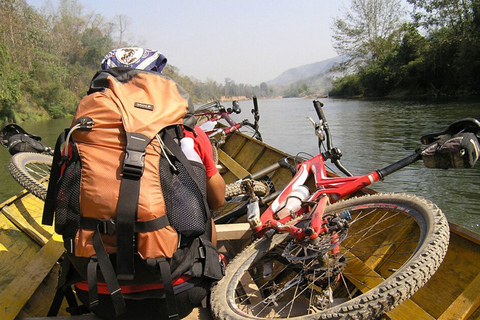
pixel 109 226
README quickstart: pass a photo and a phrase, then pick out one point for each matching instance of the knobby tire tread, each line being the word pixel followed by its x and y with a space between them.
pixel 382 298
pixel 19 172
pixel 235 189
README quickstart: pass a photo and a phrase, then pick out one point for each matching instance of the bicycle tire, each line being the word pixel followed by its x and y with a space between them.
pixel 31 171
pixel 402 270
pixel 235 189
pixel 215 153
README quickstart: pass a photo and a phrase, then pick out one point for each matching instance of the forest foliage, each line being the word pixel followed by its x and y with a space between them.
pixel 434 49
pixel 49 56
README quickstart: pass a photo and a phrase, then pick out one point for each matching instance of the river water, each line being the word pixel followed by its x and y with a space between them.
pixel 370 133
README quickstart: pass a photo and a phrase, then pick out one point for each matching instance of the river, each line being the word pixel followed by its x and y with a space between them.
pixel 370 133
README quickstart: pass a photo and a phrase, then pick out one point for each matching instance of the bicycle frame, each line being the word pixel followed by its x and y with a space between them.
pixel 224 113
pixel 327 189
pixel 216 116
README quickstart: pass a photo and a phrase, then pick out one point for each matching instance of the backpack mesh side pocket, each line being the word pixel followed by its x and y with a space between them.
pixel 67 213
pixel 183 199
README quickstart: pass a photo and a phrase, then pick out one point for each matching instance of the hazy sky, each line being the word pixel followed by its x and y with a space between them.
pixel 249 41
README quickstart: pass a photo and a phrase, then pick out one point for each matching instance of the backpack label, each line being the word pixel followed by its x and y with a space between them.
pixel 143 106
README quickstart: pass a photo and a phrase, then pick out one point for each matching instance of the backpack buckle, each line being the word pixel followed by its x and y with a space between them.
pixel 107 226
pixel 133 163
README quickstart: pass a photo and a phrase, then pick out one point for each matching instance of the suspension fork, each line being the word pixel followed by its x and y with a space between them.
pixel 318 225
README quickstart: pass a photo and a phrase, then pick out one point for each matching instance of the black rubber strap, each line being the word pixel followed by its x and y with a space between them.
pixel 152 225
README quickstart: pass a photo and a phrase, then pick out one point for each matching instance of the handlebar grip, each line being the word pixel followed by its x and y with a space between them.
pixel 255 105
pixel 318 108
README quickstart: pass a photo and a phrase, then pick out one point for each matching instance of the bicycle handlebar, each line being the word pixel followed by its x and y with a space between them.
pixel 323 132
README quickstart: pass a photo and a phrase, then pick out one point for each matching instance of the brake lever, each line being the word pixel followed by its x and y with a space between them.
pixel 318 125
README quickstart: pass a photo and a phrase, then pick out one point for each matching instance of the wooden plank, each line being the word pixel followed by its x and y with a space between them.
pixel 389 244
pixel 409 310
pixel 249 154
pixel 459 268
pixel 234 144
pixel 239 171
pixel 17 293
pixel 30 208
pixel 233 231
pixel 26 228
pixel 465 233
pixel 366 278
pixel 466 304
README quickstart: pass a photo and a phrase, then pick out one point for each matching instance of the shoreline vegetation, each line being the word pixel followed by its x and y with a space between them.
pixel 48 58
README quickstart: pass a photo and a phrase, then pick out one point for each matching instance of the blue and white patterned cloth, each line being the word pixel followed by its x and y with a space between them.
pixel 138 58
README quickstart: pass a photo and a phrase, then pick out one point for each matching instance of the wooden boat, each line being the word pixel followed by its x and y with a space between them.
pixel 30 251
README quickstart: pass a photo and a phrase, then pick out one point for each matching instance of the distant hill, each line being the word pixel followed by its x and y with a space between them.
pixel 293 75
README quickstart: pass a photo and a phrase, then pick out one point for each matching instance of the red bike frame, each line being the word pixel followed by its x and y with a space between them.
pixel 215 116
pixel 327 189
pixel 224 113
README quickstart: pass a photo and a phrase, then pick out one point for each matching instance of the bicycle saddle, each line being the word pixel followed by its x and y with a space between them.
pixel 12 129
pixel 464 125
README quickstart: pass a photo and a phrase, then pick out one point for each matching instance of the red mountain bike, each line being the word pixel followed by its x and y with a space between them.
pixel 210 114
pixel 319 256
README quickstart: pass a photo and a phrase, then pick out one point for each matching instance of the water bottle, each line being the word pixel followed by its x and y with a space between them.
pixel 253 215
pixel 293 202
pixel 187 146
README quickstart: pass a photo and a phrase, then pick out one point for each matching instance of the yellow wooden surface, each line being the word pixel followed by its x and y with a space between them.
pixel 21 288
pixel 366 278
pixel 24 227
pixel 233 231
pixel 458 270
pixel 464 306
pixel 233 166
pixel 24 263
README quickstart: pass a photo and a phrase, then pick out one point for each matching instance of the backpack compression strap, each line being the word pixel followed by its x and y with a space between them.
pixel 133 166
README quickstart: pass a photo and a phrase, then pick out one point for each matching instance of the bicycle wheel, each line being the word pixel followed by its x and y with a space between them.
pixel 31 170
pixel 392 247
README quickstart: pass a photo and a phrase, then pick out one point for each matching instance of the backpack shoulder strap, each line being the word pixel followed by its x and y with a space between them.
pixel 50 201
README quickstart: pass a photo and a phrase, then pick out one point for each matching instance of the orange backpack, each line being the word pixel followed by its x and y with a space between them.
pixel 130 206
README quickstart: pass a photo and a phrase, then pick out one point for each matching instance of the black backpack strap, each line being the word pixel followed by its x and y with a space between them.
pixel 133 166
pixel 109 226
pixel 50 201
pixel 166 278
pixel 102 260
pixel 64 290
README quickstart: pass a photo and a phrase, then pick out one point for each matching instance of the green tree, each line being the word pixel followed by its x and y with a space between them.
pixel 368 31
pixel 453 29
pixel 348 86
